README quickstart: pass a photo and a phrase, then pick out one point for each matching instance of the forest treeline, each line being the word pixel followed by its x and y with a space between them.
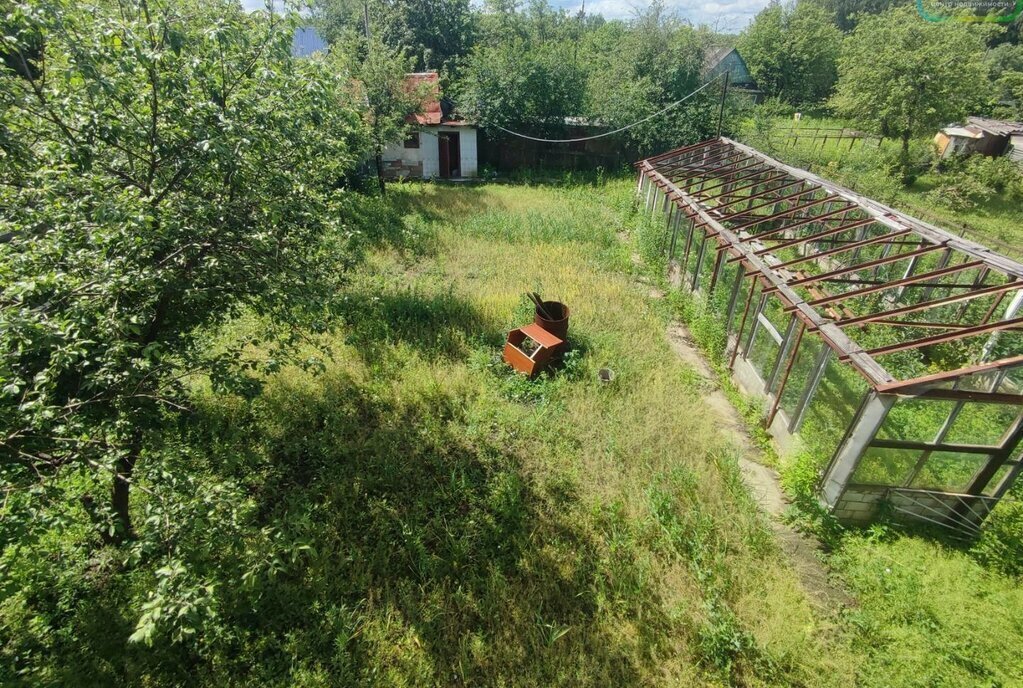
pixel 528 66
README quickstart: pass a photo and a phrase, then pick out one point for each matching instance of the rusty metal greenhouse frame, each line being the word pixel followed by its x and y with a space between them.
pixel 811 279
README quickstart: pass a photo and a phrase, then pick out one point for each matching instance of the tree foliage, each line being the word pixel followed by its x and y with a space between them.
pixel 610 73
pixel 521 86
pixel 901 77
pixel 792 51
pixel 638 69
pixel 432 32
pixel 1005 64
pixel 848 13
pixel 377 75
pixel 168 167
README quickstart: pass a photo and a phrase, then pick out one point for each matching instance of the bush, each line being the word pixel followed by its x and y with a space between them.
pixel 775 107
pixel 1001 545
pixel 997 174
pixel 959 191
pixel 977 177
pixel 1014 192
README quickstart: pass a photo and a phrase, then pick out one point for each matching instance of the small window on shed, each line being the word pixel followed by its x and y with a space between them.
pixel 412 140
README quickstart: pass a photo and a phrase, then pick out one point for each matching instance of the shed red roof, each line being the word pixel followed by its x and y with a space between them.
pixel 430 82
pixel 432 112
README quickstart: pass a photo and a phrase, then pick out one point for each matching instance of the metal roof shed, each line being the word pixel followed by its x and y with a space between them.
pixel 882 342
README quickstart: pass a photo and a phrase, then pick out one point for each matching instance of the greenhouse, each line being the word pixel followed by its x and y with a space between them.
pixel 888 347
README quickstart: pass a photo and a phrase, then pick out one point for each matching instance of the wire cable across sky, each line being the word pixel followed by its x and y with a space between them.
pixel 620 129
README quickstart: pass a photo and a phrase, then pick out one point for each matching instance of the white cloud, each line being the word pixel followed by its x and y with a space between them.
pixel 725 15
pixel 729 16
pixel 261 4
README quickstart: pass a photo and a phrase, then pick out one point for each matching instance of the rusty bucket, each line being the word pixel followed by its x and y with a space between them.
pixel 558 323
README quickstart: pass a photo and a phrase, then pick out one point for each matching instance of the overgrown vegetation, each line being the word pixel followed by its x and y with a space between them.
pixel 254 424
pixel 921 599
pixel 977 196
pixel 415 513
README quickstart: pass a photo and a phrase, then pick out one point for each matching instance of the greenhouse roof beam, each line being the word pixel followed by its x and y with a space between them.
pixel 947 336
pixel 881 238
pixel 883 286
pixel 894 258
pixel 758 177
pixel 733 175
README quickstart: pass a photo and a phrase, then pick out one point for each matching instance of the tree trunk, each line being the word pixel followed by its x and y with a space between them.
pixel 121 488
pixel 98 519
pixel 907 178
pixel 380 173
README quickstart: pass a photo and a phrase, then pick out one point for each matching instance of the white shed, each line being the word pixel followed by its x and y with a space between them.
pixel 441 146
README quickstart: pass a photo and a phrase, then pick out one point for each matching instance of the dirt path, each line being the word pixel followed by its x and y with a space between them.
pixel 762 482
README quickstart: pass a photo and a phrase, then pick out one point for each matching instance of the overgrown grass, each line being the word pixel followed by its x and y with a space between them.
pixel 416 514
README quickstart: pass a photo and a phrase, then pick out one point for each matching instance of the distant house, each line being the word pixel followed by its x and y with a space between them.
pixel 720 59
pixel 307 42
pixel 441 145
pixel 990 137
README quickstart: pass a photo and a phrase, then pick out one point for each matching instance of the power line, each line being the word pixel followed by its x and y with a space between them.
pixel 616 131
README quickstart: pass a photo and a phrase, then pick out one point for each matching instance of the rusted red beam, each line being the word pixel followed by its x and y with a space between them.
pixel 760 194
pixel 994 306
pixel 683 149
pixel 742 324
pixel 924 305
pixel 715 159
pixel 814 237
pixel 897 283
pixel 783 213
pixel 697 168
pixel 774 201
pixel 802 222
pixel 841 243
pixel 946 337
pixel 975 396
pixel 724 172
pixel 690 166
pixel 686 158
pixel 714 147
pixel 785 377
pixel 748 173
pixel 869 264
pixel 882 238
pixel 930 325
pixel 943 285
pixel 933 378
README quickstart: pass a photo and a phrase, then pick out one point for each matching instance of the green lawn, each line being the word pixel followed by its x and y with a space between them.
pixel 416 514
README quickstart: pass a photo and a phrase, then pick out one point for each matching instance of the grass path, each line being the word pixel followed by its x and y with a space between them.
pixel 764 484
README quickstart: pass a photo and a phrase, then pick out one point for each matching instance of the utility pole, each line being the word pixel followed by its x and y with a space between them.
pixel 721 108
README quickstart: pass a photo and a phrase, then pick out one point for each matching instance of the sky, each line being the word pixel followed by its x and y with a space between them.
pixel 729 16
